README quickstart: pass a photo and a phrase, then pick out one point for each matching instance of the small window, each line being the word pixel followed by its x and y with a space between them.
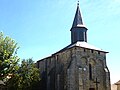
pixel 92 51
pixel 90 71
pixel 84 50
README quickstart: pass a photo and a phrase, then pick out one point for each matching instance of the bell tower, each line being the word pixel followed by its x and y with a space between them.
pixel 78 30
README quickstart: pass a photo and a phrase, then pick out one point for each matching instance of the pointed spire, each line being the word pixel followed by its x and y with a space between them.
pixel 78 18
pixel 78 30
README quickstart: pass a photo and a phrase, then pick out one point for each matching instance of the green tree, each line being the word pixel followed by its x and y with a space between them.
pixel 27 76
pixel 8 58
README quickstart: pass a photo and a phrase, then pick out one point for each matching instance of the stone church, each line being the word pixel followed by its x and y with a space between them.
pixel 78 66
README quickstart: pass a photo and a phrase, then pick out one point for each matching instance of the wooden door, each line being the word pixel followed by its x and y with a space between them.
pixel 91 88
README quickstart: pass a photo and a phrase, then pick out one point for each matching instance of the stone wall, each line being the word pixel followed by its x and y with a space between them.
pixel 70 70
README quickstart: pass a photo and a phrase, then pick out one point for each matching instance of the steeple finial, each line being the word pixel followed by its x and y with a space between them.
pixel 78 3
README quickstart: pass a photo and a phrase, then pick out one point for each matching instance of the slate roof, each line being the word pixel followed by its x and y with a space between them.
pixel 85 45
pixel 78 22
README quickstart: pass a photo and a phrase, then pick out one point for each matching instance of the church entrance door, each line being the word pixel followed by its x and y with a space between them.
pixel 91 88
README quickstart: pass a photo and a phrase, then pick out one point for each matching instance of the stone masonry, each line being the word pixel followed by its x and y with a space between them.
pixel 69 70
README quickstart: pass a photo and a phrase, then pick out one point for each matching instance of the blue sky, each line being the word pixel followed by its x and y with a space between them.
pixel 42 27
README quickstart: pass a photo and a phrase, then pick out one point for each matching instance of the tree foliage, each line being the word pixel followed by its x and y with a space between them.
pixel 8 58
pixel 16 76
pixel 27 76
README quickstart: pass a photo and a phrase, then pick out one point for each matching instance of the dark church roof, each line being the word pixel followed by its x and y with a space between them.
pixel 78 22
pixel 86 45
pixel 82 45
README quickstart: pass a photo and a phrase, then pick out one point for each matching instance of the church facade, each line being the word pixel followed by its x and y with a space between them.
pixel 78 66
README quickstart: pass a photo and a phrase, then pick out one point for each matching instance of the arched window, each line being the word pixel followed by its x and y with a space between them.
pixel 90 71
